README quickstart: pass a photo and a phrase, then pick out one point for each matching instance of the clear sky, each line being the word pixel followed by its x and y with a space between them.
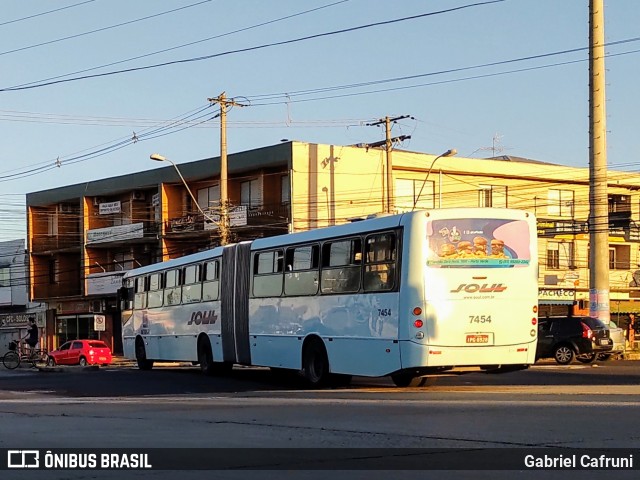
pixel 472 82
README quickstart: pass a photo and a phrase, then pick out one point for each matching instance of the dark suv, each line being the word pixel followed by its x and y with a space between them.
pixel 562 338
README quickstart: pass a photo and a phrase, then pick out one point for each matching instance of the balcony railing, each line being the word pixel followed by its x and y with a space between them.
pixel 238 216
pixel 46 243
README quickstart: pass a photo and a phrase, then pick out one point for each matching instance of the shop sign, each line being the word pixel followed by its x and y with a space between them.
pixel 72 307
pixel 20 320
pixel 104 283
pixel 116 233
pixel 556 294
pixel 109 208
pixel 237 218
pixel 552 228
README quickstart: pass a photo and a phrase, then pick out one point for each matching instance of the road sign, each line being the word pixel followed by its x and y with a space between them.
pixel 99 323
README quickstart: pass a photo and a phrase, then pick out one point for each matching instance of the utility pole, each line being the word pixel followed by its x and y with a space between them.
pixel 224 196
pixel 598 196
pixel 388 143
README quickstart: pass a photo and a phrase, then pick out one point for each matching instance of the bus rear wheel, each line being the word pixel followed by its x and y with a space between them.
pixel 315 364
pixel 141 356
pixel 205 356
pixel 404 380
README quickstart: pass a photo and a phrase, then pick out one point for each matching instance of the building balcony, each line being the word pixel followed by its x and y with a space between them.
pixel 52 243
pixel 107 237
pixel 239 216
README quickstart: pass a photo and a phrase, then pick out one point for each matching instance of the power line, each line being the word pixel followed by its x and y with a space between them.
pixel 249 49
pixel 157 52
pixel 44 13
pixel 77 35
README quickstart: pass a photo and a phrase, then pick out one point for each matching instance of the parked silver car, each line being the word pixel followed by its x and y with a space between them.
pixel 617 335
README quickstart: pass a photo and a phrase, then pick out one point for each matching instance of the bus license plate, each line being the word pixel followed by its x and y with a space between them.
pixel 477 338
pixel 104 359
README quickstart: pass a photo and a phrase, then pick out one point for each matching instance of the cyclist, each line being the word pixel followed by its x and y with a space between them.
pixel 33 335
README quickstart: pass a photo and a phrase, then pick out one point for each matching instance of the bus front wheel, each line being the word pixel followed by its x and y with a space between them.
pixel 315 364
pixel 141 356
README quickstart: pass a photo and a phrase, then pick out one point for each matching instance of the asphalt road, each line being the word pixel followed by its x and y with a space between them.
pixel 547 406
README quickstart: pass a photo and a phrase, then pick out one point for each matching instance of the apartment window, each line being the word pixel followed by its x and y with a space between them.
pixel 123 217
pixel 5 277
pixel 285 194
pixel 209 198
pixel 560 203
pixel 560 255
pixel 409 192
pixel 251 193
pixel 492 196
pixel 52 224
pixel 620 257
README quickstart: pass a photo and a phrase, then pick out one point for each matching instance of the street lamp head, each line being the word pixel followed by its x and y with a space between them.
pixel 449 153
pixel 157 157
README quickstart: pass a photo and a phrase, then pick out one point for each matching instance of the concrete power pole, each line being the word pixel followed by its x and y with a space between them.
pixel 224 196
pixel 598 197
pixel 388 143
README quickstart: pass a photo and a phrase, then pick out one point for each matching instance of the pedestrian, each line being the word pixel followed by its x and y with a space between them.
pixel 631 332
pixel 33 336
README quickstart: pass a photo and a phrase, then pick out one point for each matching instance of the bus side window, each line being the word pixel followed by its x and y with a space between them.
pixel 172 287
pixel 301 276
pixel 192 288
pixel 341 266
pixel 211 281
pixel 380 262
pixel 268 269
pixel 155 294
pixel 140 298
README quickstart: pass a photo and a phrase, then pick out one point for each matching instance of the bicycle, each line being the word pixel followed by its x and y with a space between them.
pixel 17 354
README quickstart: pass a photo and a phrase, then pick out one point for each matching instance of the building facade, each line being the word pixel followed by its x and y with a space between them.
pixel 15 308
pixel 82 238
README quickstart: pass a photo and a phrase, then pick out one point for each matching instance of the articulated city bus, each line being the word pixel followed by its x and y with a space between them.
pixel 407 296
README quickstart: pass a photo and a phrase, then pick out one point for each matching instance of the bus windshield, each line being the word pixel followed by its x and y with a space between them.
pixel 478 242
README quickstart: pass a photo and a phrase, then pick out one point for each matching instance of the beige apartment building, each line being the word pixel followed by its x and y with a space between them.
pixel 82 238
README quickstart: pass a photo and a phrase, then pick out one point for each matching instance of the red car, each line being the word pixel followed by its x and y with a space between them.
pixel 81 352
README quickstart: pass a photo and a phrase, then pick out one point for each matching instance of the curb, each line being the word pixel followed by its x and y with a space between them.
pixel 66 368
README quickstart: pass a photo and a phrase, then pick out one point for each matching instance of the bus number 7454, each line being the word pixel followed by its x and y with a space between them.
pixel 479 318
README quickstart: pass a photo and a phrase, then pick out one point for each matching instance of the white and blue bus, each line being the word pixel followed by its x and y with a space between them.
pixel 407 296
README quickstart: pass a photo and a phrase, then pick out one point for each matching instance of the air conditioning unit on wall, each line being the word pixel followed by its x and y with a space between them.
pixel 137 195
pixel 65 208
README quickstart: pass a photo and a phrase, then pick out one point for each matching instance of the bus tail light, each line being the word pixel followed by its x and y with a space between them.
pixel 417 311
pixel 418 323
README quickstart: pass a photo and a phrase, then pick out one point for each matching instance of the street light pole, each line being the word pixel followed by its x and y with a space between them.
pixel 449 153
pixel 159 158
pixel 598 197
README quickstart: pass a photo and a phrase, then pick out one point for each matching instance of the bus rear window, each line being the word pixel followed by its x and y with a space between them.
pixel 478 242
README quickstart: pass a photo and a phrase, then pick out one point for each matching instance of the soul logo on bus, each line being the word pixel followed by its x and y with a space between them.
pixel 477 288
pixel 206 317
